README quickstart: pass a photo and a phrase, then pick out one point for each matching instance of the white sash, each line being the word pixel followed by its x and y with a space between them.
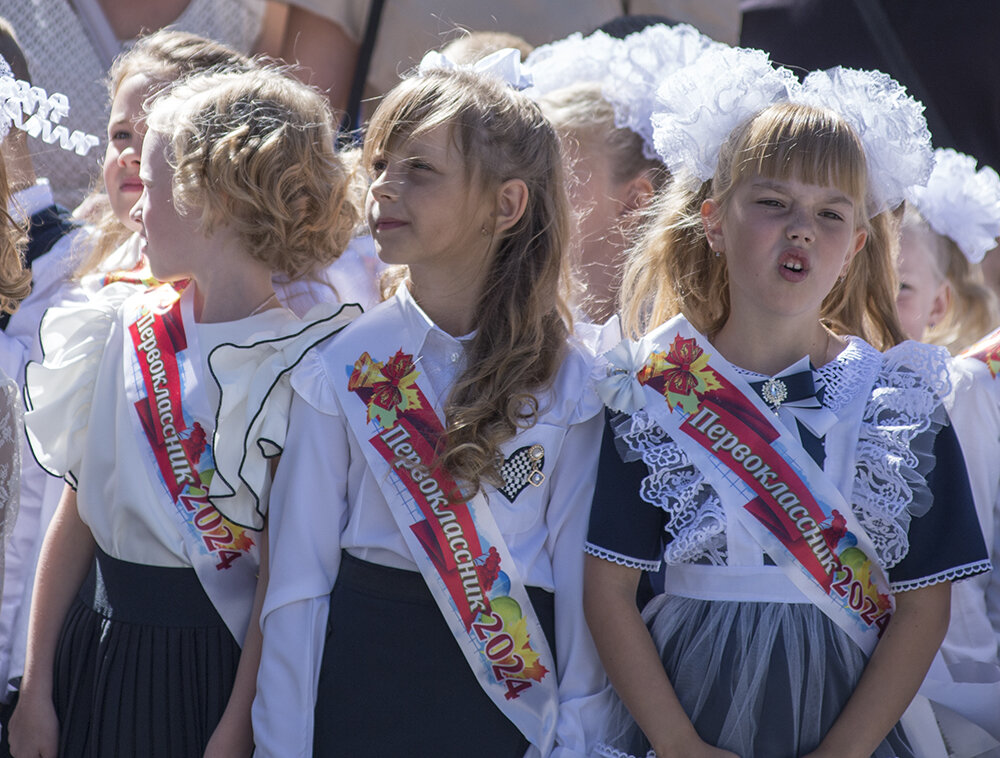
pixel 457 545
pixel 174 425
pixel 763 476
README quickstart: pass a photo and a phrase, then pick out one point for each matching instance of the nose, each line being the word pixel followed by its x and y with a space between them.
pixel 800 226
pixel 130 155
pixel 384 186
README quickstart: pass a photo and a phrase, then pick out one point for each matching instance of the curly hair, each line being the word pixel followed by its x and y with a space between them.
pixel 672 269
pixel 164 56
pixel 255 151
pixel 15 279
pixel 522 317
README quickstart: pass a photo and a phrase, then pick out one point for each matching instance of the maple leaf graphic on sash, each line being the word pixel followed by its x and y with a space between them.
pixel 684 373
pixel 522 644
pixel 392 385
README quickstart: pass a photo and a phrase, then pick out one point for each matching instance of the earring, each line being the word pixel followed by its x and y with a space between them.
pixel 484 231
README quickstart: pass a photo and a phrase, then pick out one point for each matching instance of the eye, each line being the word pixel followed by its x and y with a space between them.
pixel 904 287
pixel 378 166
pixel 419 164
pixel 770 202
pixel 833 215
pixel 121 134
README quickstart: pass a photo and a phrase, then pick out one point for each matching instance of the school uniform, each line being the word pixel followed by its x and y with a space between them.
pixel 357 659
pixel 759 668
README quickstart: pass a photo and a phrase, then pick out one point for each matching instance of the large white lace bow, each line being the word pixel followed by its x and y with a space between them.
pixel 503 64
pixel 961 203
pixel 699 106
pixel 619 389
pixel 571 60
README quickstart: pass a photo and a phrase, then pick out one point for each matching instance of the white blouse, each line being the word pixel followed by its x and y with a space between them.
pixel 325 499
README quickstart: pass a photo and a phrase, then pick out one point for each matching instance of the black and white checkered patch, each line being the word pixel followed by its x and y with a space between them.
pixel 521 468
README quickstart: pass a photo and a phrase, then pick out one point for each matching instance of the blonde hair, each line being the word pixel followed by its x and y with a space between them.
pixel 15 279
pixel 672 269
pixel 255 151
pixel 523 320
pixel 474 46
pixel 973 310
pixel 164 56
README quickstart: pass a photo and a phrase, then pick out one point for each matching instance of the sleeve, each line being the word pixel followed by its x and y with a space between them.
pixel 581 677
pixel 946 543
pixel 307 515
pixel 59 390
pixel 623 528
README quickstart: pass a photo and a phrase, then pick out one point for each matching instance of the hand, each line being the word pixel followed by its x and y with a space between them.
pixel 34 728
pixel 229 740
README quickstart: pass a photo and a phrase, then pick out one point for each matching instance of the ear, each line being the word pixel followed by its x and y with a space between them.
pixel 940 304
pixel 711 221
pixel 860 238
pixel 512 199
pixel 638 193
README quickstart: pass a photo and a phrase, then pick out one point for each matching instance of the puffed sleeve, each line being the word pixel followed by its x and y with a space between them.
pixel 59 390
pixel 308 511
pixel 581 677
pixel 252 423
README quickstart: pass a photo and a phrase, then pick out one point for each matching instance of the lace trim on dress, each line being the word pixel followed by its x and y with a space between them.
pixel 901 418
pixel 10 461
pixel 953 574
pixel 697 523
pixel 609 752
pixel 895 445
pixel 621 560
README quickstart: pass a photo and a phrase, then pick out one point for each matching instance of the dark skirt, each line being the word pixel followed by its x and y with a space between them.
pixel 394 681
pixel 144 666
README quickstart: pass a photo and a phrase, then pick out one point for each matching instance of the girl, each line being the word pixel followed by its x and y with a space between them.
pixel 948 227
pixel 144 592
pixel 450 433
pixel 778 498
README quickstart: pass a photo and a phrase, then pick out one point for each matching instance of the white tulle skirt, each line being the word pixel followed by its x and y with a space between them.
pixel 764 680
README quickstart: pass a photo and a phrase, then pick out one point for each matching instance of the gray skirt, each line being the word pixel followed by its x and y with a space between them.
pixel 764 680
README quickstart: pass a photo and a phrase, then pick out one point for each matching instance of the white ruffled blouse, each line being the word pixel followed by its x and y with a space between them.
pixel 326 500
pixel 79 421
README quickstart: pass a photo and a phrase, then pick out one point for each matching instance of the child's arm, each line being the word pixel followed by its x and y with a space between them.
pixel 893 675
pixel 633 663
pixel 65 558
pixel 234 734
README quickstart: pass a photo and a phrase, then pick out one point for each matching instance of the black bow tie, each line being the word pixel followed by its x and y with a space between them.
pixel 799 390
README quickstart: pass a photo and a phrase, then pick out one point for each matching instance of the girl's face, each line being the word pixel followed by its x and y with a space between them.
pixel 167 235
pixel 424 211
pixel 785 242
pixel 126 129
pixel 923 292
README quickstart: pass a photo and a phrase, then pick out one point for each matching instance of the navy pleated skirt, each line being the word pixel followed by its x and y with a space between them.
pixel 394 681
pixel 144 666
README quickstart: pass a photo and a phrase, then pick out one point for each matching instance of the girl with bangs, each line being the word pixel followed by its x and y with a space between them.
pixel 784 473
pixel 425 590
pixel 143 638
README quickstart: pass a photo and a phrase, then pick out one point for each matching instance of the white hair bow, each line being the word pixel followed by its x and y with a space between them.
pixel 503 64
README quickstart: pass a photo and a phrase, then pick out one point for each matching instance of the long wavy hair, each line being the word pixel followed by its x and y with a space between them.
pixel 522 317
pixel 672 269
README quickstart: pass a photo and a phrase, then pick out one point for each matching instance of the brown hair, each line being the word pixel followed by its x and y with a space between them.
pixel 523 318
pixel 672 270
pixel 15 279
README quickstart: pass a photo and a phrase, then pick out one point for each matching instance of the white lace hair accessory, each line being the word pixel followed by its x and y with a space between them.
pixel 644 59
pixel 503 64
pixel 889 122
pixel 961 203
pixel 571 60
pixel 701 104
pixel 18 100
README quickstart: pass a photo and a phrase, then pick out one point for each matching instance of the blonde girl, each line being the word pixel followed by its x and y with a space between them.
pixel 778 260
pixel 145 593
pixel 401 575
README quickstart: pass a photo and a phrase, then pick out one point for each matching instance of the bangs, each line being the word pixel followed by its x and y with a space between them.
pixel 790 141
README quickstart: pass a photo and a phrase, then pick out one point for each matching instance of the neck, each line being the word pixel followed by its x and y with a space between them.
pixel 771 346
pixel 449 299
pixel 232 289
